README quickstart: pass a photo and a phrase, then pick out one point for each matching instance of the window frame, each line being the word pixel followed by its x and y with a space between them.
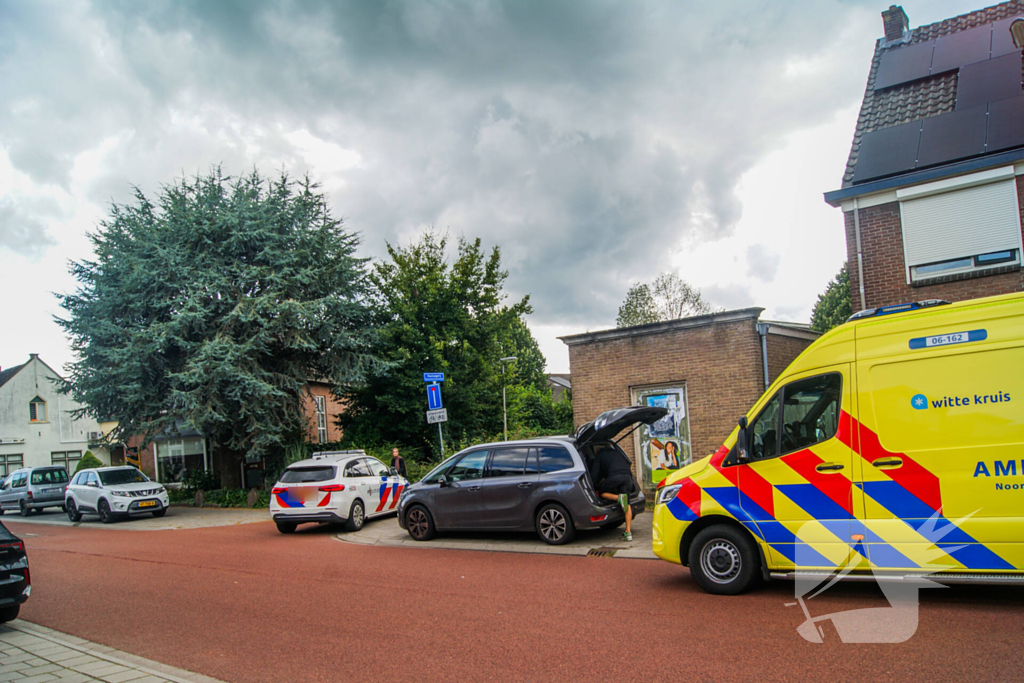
pixel 320 406
pixel 780 394
pixel 33 411
pixel 541 471
pixel 530 450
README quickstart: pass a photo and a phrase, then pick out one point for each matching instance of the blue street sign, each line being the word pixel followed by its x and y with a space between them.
pixel 433 376
pixel 434 397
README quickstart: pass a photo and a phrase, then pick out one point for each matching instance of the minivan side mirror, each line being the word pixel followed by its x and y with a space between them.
pixel 442 481
pixel 741 442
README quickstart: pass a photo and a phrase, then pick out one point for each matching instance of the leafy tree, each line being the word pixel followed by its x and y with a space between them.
pixel 446 317
pixel 88 461
pixel 833 307
pixel 669 298
pixel 212 305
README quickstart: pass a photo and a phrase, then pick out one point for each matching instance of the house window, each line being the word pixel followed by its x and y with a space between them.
pixel 321 418
pixel 37 410
pixel 9 463
pixel 964 230
pixel 175 457
pixel 69 459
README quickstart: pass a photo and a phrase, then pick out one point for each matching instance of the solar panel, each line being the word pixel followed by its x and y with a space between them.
pixel 1006 124
pixel 951 136
pixel 904 64
pixel 887 151
pixel 1002 41
pixel 964 47
pixel 988 81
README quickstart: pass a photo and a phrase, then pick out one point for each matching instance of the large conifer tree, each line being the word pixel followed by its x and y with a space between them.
pixel 212 305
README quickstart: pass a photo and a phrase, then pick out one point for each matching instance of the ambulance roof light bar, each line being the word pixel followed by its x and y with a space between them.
pixel 896 308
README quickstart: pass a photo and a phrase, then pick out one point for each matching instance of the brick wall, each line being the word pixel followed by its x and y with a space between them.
pixel 334 409
pixel 781 352
pixel 885 269
pixel 719 363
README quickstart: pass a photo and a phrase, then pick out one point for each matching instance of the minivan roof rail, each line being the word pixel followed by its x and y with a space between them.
pixel 896 308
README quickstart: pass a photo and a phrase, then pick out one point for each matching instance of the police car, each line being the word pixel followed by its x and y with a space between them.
pixel 346 487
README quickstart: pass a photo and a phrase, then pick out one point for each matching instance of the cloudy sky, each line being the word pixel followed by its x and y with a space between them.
pixel 597 143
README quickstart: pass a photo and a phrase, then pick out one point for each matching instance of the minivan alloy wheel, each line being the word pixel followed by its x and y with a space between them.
pixel 419 524
pixel 721 561
pixel 552 524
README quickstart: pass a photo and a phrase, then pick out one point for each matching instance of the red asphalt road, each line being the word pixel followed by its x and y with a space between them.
pixel 245 603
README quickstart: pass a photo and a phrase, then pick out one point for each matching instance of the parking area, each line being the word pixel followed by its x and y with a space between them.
pixel 177 517
pixel 603 542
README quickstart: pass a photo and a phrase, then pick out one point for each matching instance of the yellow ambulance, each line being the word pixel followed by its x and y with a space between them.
pixel 893 445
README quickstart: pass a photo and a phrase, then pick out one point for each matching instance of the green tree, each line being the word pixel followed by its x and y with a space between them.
pixel 88 461
pixel 212 306
pixel 528 368
pixel 446 317
pixel 668 298
pixel 833 307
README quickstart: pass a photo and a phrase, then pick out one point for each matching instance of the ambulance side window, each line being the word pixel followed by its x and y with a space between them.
pixel 763 430
pixel 810 412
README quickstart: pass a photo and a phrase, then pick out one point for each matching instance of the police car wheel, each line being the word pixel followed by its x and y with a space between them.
pixel 723 560
pixel 287 527
pixel 356 516
pixel 419 523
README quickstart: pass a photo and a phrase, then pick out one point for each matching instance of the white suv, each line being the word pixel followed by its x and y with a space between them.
pixel 113 492
pixel 339 486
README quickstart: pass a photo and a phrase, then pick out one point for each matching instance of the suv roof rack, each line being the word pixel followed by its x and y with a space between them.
pixel 323 455
pixel 896 308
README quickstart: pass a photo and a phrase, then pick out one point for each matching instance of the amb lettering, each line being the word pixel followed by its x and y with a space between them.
pixel 979 399
pixel 1001 468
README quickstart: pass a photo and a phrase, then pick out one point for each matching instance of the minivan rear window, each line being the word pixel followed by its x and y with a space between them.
pixel 54 476
pixel 554 459
pixel 300 475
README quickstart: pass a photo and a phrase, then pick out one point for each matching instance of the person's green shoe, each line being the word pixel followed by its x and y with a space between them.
pixel 626 536
pixel 623 501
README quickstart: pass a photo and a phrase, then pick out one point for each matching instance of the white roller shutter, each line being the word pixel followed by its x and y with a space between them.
pixel 961 223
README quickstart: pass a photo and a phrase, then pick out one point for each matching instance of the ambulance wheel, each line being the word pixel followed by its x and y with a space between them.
pixel 287 527
pixel 723 560
pixel 356 517
pixel 419 523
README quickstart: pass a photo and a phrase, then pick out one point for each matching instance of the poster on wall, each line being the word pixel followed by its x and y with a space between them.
pixel 665 445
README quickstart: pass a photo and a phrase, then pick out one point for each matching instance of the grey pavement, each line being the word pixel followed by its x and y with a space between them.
pixel 36 654
pixel 177 517
pixel 386 532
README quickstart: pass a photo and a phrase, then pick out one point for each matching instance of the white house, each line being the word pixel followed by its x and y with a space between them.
pixel 36 427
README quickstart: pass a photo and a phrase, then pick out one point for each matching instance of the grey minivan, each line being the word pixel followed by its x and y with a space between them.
pixel 33 488
pixel 542 485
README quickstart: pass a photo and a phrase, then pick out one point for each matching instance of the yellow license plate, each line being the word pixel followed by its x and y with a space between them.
pixel 147 504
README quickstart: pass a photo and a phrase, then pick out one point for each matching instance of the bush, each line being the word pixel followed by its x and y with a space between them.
pixel 199 480
pixel 88 461
pixel 223 498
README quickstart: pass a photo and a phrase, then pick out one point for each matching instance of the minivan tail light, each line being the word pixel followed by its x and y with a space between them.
pixel 28 494
pixel 277 489
pixel 332 488
pixel 599 518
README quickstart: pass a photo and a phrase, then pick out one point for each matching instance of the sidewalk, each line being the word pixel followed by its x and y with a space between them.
pixel 601 541
pixel 36 654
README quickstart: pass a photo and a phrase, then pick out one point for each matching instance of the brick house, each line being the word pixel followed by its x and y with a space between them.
pixel 933 187
pixel 708 370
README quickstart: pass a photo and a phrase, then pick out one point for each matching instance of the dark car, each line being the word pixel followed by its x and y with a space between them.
pixel 15 583
pixel 538 484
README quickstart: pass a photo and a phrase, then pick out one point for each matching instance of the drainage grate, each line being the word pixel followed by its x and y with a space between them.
pixel 602 552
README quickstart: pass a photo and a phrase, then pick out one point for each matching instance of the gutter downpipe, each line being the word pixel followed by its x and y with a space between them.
pixel 762 330
pixel 860 254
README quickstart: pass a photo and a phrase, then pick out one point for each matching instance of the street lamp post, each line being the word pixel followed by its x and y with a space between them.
pixel 504 410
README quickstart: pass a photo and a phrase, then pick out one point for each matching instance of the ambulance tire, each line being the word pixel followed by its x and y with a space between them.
pixel 724 560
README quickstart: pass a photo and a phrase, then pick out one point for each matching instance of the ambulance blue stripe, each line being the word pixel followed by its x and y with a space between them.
pixel 915 514
pixel 897 500
pixel 752 528
pixel 975 556
pixel 814 502
pixel 803 555
pixel 738 504
pixel 775 532
pixel 680 510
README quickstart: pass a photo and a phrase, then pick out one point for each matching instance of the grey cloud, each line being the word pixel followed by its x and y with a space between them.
pixel 729 297
pixel 762 262
pixel 21 231
pixel 587 139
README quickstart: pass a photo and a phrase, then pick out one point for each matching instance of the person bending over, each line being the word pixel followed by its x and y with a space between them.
pixel 614 480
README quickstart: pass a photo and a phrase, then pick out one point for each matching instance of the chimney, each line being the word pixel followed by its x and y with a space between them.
pixel 896 24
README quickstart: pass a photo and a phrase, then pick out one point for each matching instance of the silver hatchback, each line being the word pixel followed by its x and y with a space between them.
pixel 33 488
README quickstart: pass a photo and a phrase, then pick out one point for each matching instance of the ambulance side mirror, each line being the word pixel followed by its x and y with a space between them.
pixel 741 442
